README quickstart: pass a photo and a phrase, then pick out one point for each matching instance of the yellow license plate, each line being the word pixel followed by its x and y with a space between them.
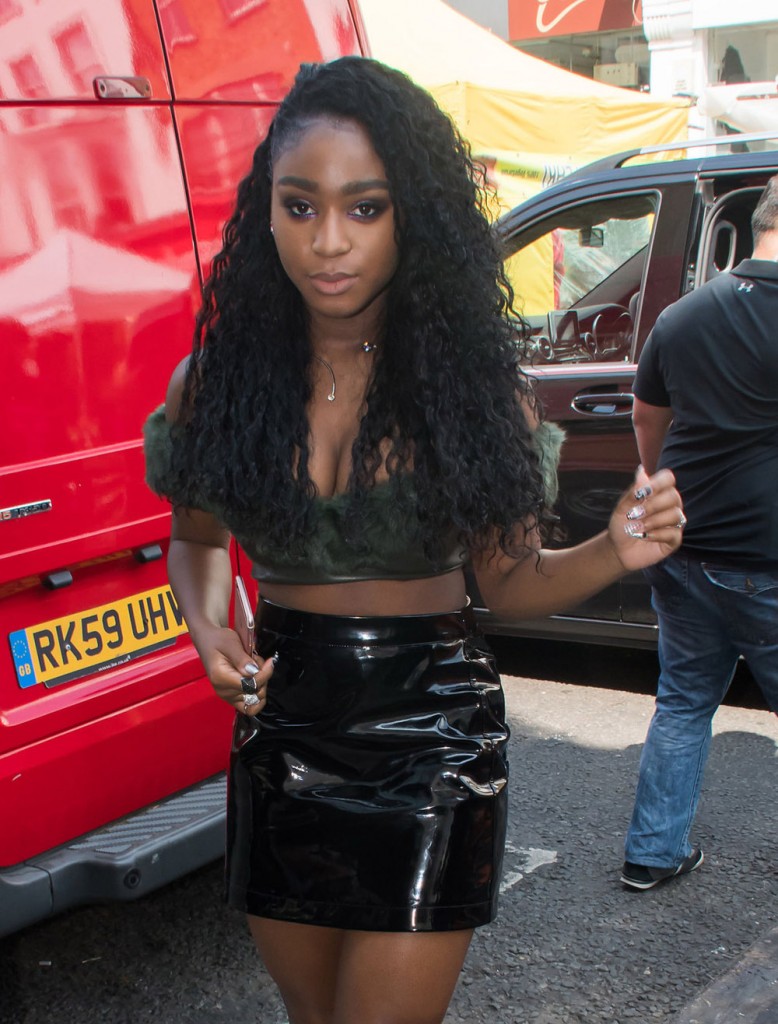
pixel 97 639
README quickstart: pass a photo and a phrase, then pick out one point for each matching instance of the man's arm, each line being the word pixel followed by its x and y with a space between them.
pixel 650 423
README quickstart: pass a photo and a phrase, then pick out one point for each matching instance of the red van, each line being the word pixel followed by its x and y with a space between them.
pixel 125 126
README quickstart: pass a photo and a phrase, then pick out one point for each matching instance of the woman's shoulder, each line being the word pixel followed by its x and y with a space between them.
pixel 158 431
pixel 175 389
pixel 161 434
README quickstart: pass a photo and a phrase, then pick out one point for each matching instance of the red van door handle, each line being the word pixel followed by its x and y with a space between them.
pixel 603 403
pixel 122 87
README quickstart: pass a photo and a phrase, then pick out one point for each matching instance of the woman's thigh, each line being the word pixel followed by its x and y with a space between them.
pixel 398 978
pixel 331 976
pixel 303 961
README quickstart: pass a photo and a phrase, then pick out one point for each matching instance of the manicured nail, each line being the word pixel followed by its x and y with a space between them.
pixel 643 492
pixel 637 512
pixel 633 530
pixel 250 669
pixel 275 658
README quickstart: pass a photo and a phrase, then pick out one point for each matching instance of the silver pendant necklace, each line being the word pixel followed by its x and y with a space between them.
pixel 331 395
pixel 366 346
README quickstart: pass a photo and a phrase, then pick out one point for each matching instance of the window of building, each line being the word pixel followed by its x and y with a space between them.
pixel 79 57
pixel 28 77
pixel 617 58
pixel 69 192
pixel 237 8
pixel 743 53
pixel 32 86
pixel 9 9
pixel 176 26
pixel 742 72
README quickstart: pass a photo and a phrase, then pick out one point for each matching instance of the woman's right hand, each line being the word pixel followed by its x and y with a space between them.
pixel 200 572
pixel 227 664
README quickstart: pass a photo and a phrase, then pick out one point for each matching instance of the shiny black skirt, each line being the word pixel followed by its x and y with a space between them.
pixel 370 792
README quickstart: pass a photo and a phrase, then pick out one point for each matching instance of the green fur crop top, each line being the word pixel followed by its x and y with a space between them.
pixel 392 548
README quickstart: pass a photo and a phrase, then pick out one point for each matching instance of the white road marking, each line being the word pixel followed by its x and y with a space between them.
pixel 532 858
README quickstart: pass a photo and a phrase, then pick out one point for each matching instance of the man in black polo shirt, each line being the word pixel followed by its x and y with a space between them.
pixel 706 406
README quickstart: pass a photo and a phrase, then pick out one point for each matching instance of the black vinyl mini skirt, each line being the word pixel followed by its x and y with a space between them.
pixel 370 793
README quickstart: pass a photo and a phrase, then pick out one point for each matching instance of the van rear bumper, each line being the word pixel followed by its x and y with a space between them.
pixel 121 861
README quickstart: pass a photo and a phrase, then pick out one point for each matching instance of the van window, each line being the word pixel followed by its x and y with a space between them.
pixel 577 278
pixel 727 238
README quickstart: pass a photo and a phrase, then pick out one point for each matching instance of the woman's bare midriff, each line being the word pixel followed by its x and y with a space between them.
pixel 428 596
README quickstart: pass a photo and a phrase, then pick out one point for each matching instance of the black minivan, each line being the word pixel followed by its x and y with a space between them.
pixel 594 260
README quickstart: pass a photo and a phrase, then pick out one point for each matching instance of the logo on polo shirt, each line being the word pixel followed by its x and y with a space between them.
pixel 745 286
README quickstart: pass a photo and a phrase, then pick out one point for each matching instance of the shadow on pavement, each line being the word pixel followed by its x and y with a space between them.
pixel 570 945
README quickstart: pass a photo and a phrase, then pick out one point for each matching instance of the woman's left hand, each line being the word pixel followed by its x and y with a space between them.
pixel 647 523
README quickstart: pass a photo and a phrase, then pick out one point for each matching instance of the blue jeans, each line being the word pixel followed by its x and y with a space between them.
pixel 708 615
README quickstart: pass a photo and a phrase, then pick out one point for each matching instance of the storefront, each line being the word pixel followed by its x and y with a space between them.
pixel 723 56
pixel 601 39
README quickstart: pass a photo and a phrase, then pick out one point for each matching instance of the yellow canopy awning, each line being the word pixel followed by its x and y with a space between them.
pixel 530 121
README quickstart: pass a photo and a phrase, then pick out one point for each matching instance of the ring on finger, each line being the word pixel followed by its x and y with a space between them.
pixel 250 700
pixel 248 684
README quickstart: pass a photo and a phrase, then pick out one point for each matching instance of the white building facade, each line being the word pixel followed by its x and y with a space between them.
pixel 722 54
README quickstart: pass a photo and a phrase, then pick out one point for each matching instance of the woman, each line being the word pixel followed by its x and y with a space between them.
pixel 355 415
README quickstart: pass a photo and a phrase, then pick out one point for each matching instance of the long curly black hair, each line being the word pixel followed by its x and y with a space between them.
pixel 447 386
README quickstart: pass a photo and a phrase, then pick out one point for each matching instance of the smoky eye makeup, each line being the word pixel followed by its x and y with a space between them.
pixel 298 207
pixel 369 209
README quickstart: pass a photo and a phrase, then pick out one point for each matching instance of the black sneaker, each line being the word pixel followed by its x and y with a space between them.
pixel 637 876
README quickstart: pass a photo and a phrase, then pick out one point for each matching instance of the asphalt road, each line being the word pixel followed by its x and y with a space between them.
pixel 570 946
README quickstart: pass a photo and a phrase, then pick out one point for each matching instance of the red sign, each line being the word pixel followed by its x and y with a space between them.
pixel 534 19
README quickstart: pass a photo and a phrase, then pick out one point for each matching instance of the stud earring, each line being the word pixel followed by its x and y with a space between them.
pixel 272 229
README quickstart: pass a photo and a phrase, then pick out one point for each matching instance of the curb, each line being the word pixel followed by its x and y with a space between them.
pixel 748 994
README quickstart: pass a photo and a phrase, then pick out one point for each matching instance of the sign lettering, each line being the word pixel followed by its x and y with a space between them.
pixel 534 19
